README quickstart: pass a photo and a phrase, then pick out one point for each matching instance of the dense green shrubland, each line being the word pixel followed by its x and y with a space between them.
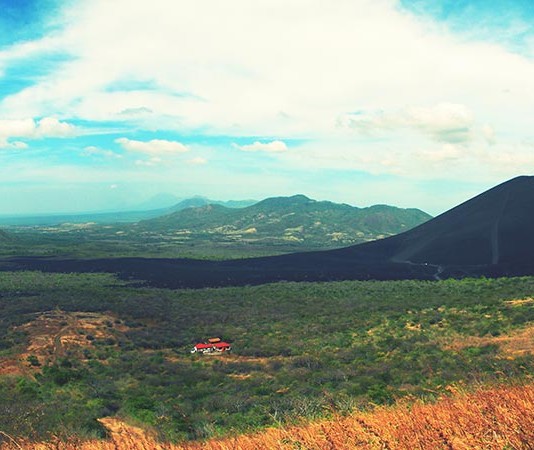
pixel 300 349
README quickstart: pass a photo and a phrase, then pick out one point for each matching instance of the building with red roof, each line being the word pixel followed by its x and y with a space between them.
pixel 211 347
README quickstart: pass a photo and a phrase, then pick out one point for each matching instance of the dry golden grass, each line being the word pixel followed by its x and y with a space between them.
pixel 520 302
pixel 518 343
pixel 490 419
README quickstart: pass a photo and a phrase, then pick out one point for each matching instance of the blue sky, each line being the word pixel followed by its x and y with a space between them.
pixel 24 20
pixel 415 103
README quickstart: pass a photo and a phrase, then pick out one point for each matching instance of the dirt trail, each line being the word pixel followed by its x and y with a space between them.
pixel 125 436
pixel 439 271
pixel 58 350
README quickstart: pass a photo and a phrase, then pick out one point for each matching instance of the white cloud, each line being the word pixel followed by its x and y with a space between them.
pixel 270 147
pixel 419 87
pixel 17 128
pixel 489 134
pixel 136 112
pixel 153 147
pixel 30 129
pixel 199 161
pixel 52 127
pixel 27 49
pixel 154 161
pixel 446 154
pixel 97 151
pixel 15 145
pixel 358 54
pixel 18 144
pixel 417 159
pixel 445 122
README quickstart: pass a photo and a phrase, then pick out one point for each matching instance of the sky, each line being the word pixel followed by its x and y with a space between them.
pixel 413 103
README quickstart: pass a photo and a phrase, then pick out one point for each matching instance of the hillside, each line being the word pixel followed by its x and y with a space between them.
pixel 493 228
pixel 297 219
pixel 79 350
pixel 4 236
pixel 489 235
pixel 491 419
pixel 142 211
pixel 196 228
pixel 199 201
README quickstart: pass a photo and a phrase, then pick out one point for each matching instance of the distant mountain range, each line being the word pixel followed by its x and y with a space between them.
pixel 158 201
pixel 136 214
pixel 489 235
pixel 296 219
pixel 197 201
pixel 170 202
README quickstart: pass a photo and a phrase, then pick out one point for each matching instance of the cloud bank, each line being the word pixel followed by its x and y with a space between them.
pixel 445 122
pixel 363 87
pixel 257 146
pixel 47 127
pixel 153 147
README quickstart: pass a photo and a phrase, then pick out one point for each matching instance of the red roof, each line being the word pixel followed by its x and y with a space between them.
pixel 202 345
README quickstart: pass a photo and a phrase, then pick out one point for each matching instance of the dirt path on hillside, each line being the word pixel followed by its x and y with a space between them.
pixel 125 436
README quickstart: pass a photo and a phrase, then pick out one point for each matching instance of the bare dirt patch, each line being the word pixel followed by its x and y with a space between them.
pixel 240 376
pixel 520 302
pixel 10 366
pixel 54 334
pixel 264 360
pixel 124 435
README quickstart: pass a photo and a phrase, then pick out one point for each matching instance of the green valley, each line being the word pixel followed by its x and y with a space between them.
pixel 194 229
pixel 78 347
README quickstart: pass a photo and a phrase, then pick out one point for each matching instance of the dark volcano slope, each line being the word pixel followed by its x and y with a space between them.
pixel 489 235
pixel 186 273
pixel 493 228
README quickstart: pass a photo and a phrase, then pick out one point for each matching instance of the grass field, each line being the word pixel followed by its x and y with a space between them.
pixel 76 348
pixel 490 419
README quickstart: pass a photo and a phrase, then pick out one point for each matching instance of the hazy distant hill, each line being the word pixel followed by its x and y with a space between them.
pixel 489 235
pixel 159 201
pixel 109 217
pixel 296 219
pixel 4 236
pixel 196 202
pixel 171 203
